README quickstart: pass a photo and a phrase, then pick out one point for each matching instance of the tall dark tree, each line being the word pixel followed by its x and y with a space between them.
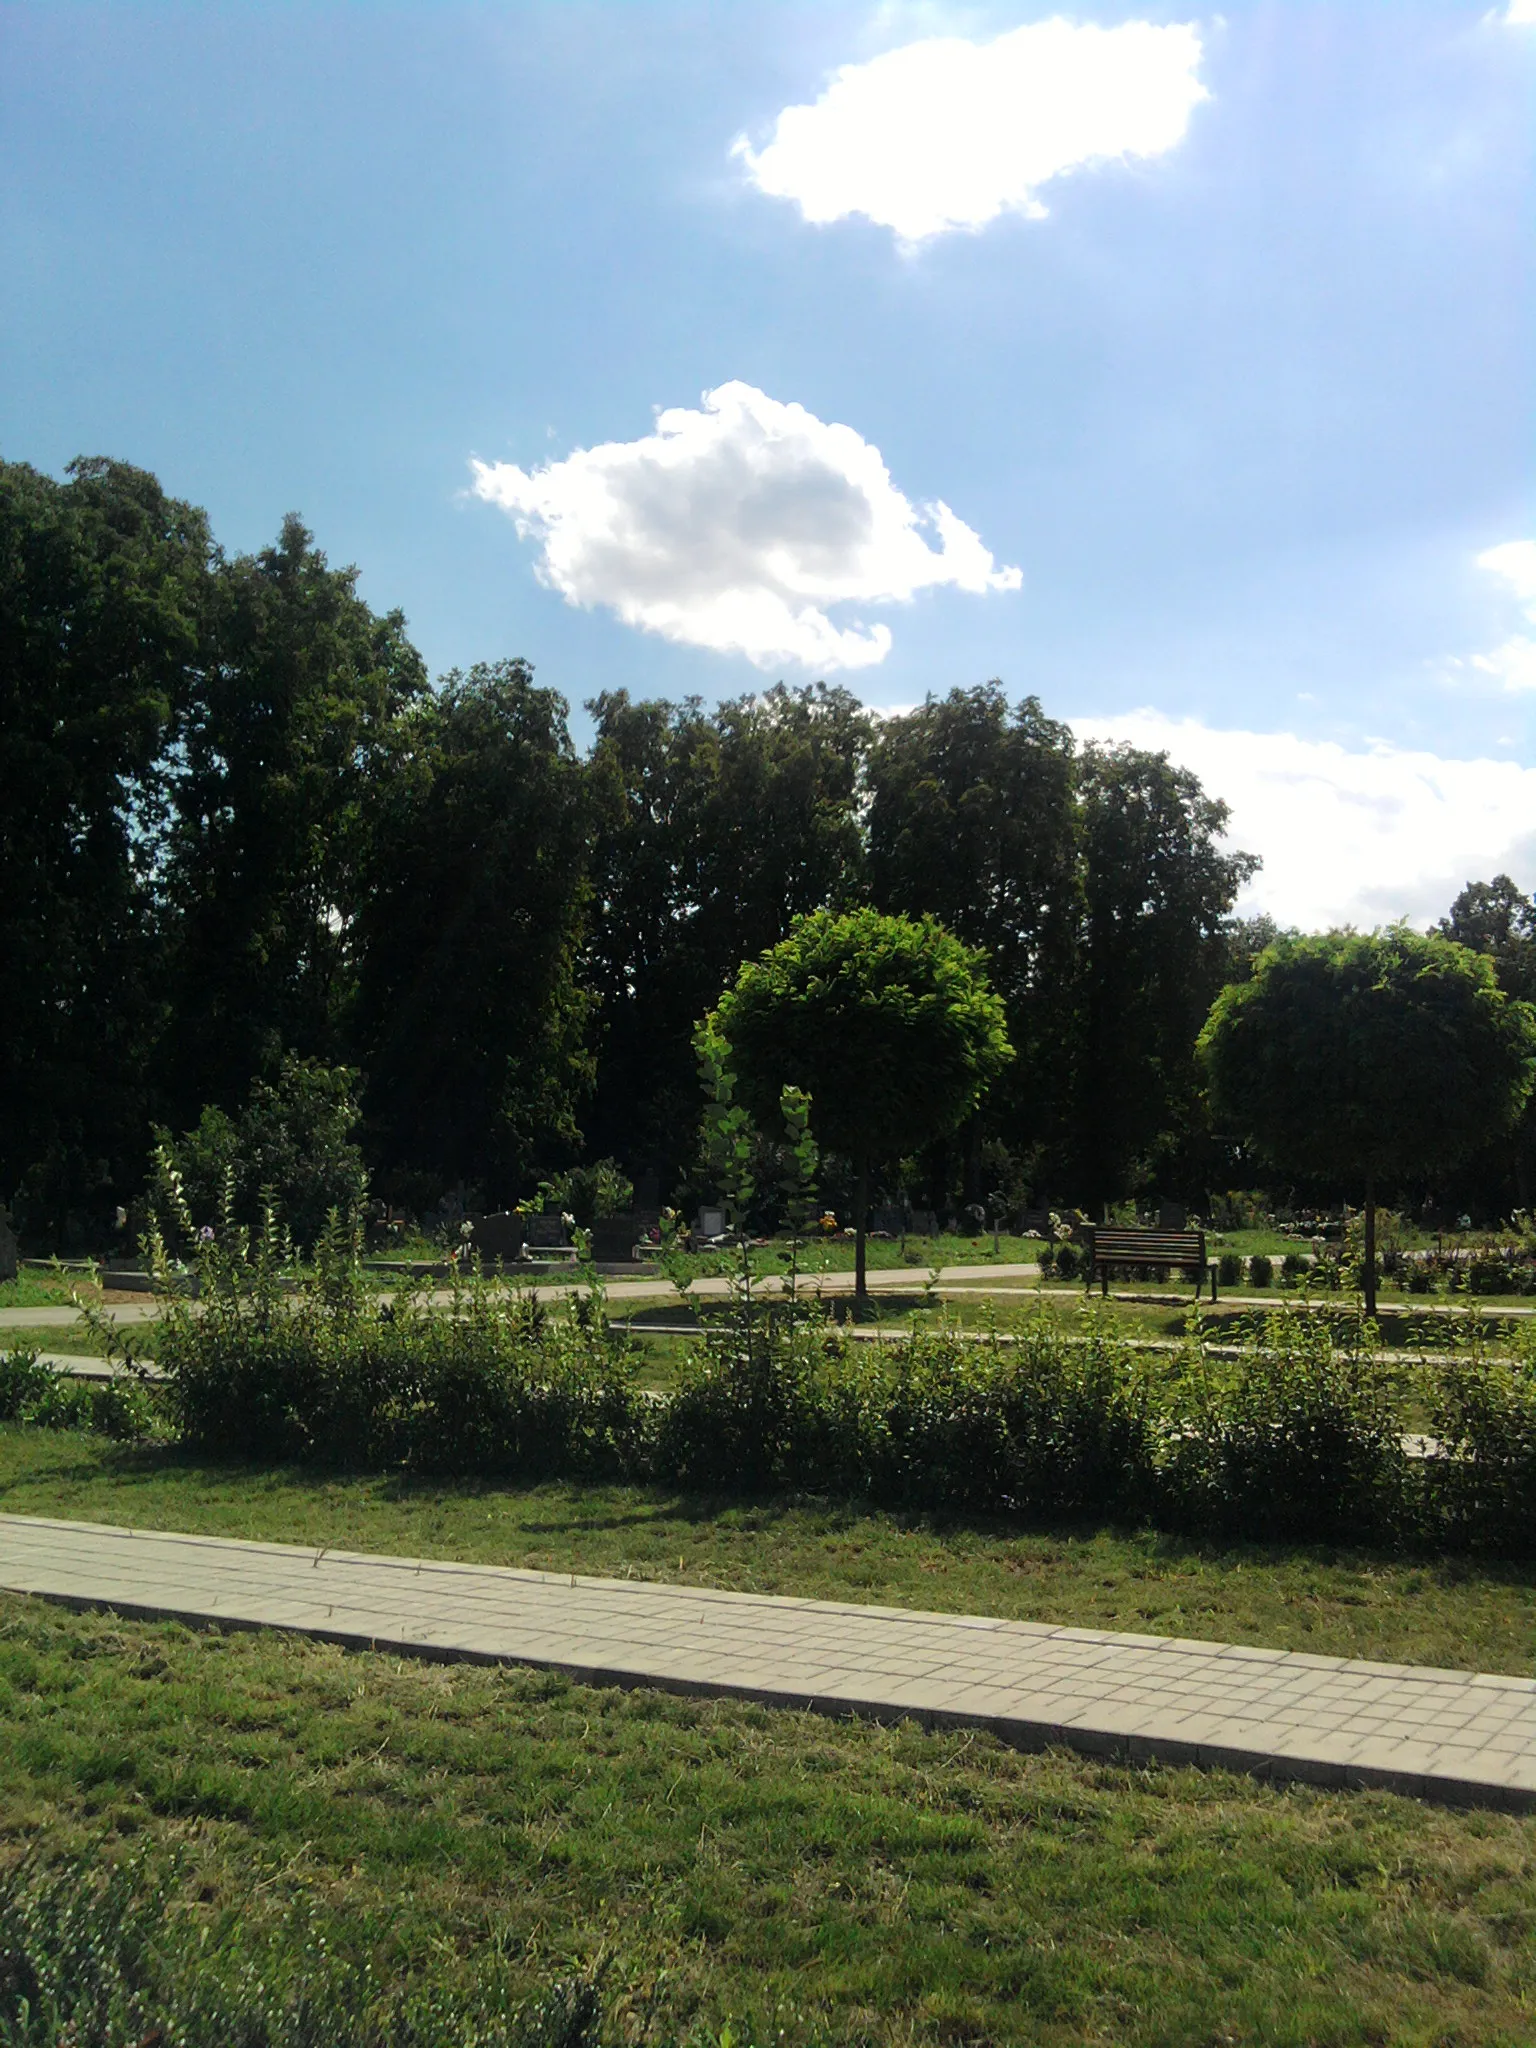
pixel 283 738
pixel 1158 888
pixel 715 831
pixel 469 1023
pixel 104 594
pixel 973 819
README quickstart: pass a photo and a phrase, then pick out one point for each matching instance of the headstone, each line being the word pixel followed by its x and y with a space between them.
pixel 923 1223
pixel 499 1236
pixel 886 1222
pixel 615 1237
pixel 545 1233
pixel 711 1223
pixel 648 1193
pixel 1172 1216
pixel 9 1265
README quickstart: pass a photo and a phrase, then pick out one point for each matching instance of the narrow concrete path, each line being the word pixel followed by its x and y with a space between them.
pixel 1436 1734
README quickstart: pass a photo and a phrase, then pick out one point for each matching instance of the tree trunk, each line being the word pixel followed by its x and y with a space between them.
pixel 860 1221
pixel 1370 1245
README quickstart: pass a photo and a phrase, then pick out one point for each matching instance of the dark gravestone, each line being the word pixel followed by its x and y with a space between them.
pixel 499 1236
pixel 546 1233
pixel 924 1223
pixel 615 1237
pixel 1172 1216
pixel 889 1222
pixel 8 1262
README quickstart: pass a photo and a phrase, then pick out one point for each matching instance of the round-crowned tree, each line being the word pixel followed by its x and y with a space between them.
pixel 1363 1057
pixel 887 1023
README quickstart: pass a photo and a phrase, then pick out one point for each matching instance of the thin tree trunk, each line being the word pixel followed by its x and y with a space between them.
pixel 1370 1245
pixel 860 1220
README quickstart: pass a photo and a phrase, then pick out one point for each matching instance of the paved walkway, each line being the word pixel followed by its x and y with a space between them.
pixel 1437 1734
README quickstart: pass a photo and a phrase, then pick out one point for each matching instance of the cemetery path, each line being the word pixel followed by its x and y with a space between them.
pixel 1449 1735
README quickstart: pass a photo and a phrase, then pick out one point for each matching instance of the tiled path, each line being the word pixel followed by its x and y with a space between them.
pixel 1441 1734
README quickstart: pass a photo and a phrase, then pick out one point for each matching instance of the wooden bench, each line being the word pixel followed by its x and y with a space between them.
pixel 1114 1244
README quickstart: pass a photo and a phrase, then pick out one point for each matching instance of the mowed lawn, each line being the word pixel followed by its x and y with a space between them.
pixel 839 1881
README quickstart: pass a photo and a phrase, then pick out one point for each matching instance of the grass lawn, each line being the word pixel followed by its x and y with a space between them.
pixel 810 1880
pixel 841 1882
pixel 32 1289
pixel 79 1338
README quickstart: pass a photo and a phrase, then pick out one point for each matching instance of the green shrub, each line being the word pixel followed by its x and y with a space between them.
pixel 24 1381
pixel 1261 1270
pixel 1483 1412
pixel 1295 1439
pixel 1070 1261
pixel 1230 1268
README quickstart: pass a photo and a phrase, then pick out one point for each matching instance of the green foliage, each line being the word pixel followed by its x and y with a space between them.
pixel 587 1192
pixel 471 1017
pixel 1297 1439
pixel 1261 1269
pixel 100 1955
pixel 1483 1412
pixel 887 1023
pixel 1385 1053
pixel 291 1144
pixel 32 1392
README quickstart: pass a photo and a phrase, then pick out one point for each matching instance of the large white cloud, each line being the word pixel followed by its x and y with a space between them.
pixel 1514 563
pixel 1521 12
pixel 736 527
pixel 947 133
pixel 1350 837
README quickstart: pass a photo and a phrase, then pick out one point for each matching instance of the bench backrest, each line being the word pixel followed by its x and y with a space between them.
pixel 1156 1247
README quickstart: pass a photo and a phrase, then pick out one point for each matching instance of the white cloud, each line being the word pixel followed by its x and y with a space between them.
pixel 947 133
pixel 1520 11
pixel 1514 563
pixel 736 528
pixel 1350 837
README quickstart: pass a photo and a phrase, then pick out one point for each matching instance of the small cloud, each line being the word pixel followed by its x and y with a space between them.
pixel 1349 836
pixel 1520 13
pixel 736 528
pixel 1513 664
pixel 945 133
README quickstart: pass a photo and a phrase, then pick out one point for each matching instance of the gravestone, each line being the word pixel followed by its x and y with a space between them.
pixel 1172 1216
pixel 711 1223
pixel 924 1223
pixel 887 1222
pixel 9 1266
pixel 615 1237
pixel 545 1233
pixel 499 1236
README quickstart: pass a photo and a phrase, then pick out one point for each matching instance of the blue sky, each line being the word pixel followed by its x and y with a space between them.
pixel 1214 332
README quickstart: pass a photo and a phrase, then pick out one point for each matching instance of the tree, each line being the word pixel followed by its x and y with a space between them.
pixel 1368 1056
pixel 297 691
pixel 714 831
pixel 887 1023
pixel 105 588
pixel 1498 920
pixel 1158 890
pixel 469 1021
pixel 973 819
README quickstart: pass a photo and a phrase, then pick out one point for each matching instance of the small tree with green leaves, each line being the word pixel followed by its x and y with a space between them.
pixel 887 1023
pixel 1365 1057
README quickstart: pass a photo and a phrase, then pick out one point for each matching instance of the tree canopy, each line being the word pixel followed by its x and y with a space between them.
pixel 889 1024
pixel 1368 1056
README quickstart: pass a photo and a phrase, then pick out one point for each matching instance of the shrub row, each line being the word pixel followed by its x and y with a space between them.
pixel 1303 1435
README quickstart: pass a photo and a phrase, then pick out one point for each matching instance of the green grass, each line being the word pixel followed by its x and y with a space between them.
pixel 31 1289
pixel 79 1339
pixel 833 1880
pixel 1452 1613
